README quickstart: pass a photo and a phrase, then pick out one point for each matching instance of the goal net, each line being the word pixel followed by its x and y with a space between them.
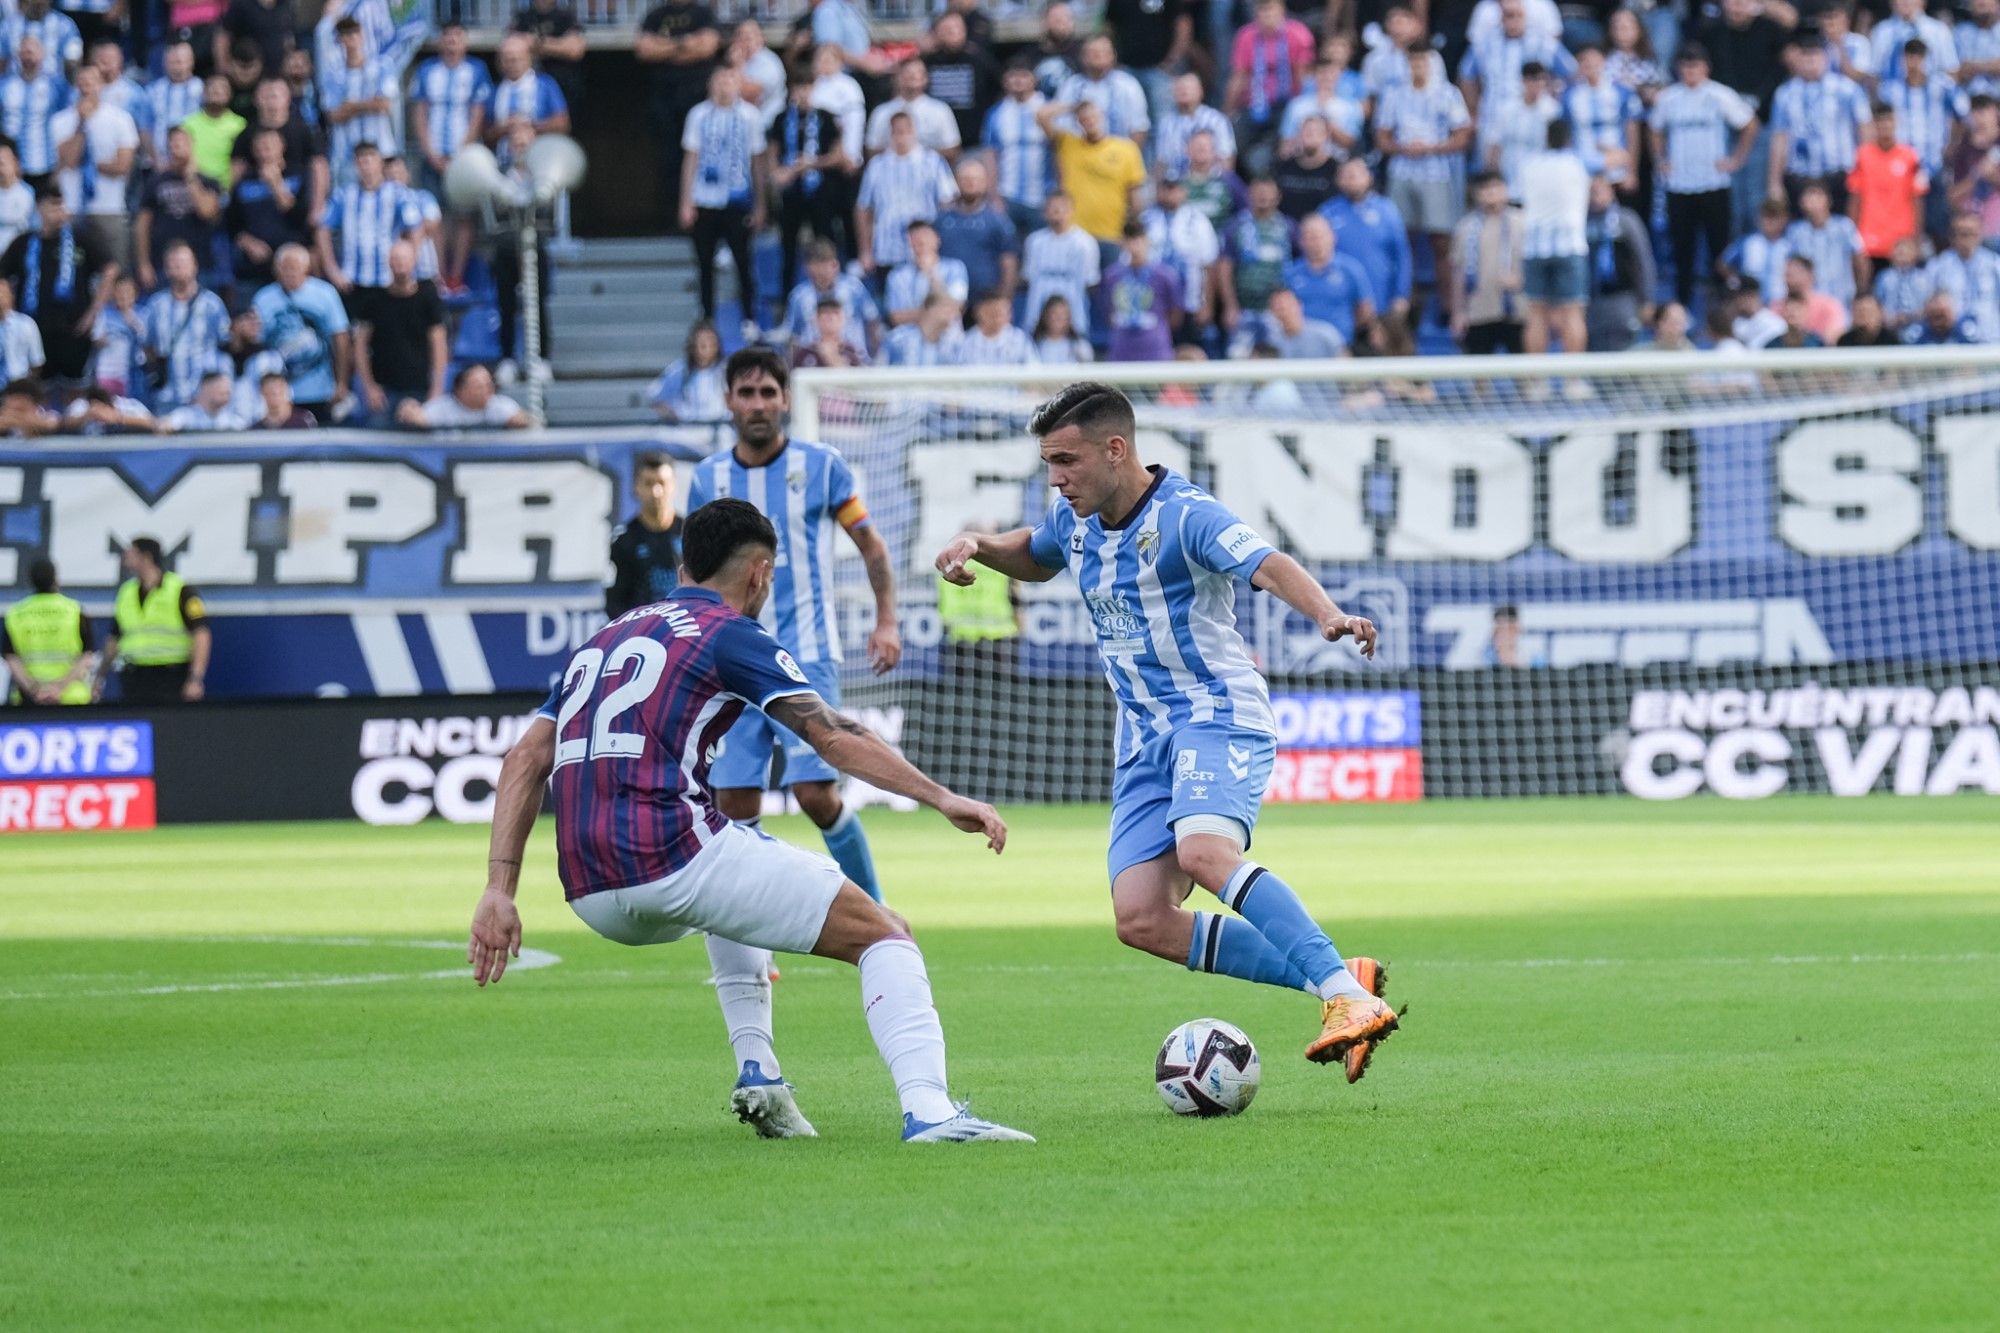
pixel 1656 574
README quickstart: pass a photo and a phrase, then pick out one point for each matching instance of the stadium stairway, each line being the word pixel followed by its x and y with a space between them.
pixel 619 311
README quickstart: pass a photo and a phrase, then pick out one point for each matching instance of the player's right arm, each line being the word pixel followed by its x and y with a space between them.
pixel 852 748
pixel 1011 553
pixel 524 776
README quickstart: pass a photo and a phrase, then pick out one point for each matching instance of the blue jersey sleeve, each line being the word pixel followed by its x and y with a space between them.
pixel 1045 543
pixel 1216 539
pixel 752 665
pixel 843 497
pixel 554 701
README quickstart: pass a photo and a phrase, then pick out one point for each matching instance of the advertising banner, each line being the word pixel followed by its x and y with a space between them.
pixel 66 775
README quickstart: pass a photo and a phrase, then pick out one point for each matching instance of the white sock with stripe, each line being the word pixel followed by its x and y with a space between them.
pixel 896 998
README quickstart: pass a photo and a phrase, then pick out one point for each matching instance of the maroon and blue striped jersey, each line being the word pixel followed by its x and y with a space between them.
pixel 639 712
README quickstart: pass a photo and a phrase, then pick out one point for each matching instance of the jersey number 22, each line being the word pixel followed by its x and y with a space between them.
pixel 580 682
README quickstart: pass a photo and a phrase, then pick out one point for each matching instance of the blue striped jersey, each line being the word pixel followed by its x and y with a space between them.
pixel 1831 250
pixel 166 105
pixel 857 306
pixel 1974 287
pixel 1428 115
pixel 1925 115
pixel 368 222
pixel 428 211
pixel 907 346
pixel 534 95
pixel 1892 34
pixel 724 141
pixel 908 286
pixel 188 336
pixel 1340 113
pixel 1065 264
pixel 1979 45
pixel 1011 347
pixel 1026 164
pixel 449 93
pixel 1825 118
pixel 1902 291
pixel 62 42
pixel 1496 59
pixel 1518 129
pixel 1700 125
pixel 1123 100
pixel 343 84
pixel 1161 589
pixel 1601 112
pixel 26 108
pixel 899 188
pixel 1762 260
pixel 1171 135
pixel 806 491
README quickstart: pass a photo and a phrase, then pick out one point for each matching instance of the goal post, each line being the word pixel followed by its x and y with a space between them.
pixel 1653 573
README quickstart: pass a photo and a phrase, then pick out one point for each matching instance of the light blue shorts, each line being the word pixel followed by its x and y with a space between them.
pixel 745 757
pixel 1203 769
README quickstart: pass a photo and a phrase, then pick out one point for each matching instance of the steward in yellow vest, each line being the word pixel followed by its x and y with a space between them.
pixel 979 612
pixel 47 643
pixel 161 634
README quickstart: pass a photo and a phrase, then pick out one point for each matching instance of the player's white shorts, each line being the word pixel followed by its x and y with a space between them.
pixel 744 885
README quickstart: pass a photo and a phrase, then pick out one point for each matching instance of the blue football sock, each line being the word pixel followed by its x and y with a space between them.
pixel 847 844
pixel 1269 904
pixel 1235 949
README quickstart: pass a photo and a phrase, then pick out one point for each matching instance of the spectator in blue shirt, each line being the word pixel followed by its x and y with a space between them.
pixel 1369 227
pixel 976 233
pixel 1330 286
pixel 306 324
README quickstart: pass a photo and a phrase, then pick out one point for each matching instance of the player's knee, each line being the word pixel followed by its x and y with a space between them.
pixel 1207 862
pixel 820 801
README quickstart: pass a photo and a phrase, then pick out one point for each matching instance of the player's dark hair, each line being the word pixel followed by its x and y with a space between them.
pixel 746 361
pixel 714 533
pixel 150 548
pixel 347 23
pixel 650 461
pixel 42 575
pixel 1098 410
pixel 1916 46
pixel 1559 135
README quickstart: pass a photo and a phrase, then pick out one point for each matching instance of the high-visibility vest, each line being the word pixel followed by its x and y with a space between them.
pixel 982 611
pixel 46 631
pixel 151 632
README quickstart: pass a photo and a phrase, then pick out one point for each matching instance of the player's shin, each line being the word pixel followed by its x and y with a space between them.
pixel 743 986
pixel 1269 904
pixel 847 844
pixel 896 997
pixel 1235 949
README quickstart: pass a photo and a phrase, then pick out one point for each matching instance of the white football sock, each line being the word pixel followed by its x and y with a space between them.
pixel 743 985
pixel 1342 983
pixel 896 997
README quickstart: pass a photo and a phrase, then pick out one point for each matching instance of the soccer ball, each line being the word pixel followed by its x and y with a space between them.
pixel 1207 1067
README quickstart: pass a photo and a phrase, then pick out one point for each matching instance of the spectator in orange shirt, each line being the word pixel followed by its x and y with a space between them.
pixel 1823 315
pixel 1884 187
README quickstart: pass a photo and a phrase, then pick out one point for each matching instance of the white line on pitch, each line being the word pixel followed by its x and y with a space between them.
pixel 530 960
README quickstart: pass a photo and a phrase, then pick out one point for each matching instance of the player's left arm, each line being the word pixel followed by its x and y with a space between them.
pixel 496 923
pixel 885 641
pixel 1287 580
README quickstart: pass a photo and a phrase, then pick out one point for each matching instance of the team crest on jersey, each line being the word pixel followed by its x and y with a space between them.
pixel 1076 543
pixel 795 479
pixel 791 668
pixel 1148 546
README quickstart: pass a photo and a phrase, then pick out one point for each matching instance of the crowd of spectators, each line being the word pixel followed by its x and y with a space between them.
pixel 242 229
pixel 1294 180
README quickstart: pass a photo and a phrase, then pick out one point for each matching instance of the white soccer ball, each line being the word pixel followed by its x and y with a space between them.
pixel 1207 1067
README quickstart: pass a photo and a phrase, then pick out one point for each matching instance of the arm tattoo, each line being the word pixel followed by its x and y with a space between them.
pixel 810 719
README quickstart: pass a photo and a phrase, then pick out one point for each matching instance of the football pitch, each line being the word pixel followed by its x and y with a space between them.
pixel 1663 1065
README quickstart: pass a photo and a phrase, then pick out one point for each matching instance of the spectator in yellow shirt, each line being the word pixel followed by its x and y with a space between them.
pixel 1100 171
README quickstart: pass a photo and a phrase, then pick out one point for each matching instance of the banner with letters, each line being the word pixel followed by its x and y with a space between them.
pixel 390 565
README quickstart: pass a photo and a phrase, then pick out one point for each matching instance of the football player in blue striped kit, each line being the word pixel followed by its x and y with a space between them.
pixel 1157 559
pixel 806 490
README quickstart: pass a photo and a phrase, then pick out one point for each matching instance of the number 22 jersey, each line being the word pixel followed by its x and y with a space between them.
pixel 639 712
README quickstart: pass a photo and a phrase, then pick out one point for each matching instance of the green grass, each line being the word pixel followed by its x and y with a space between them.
pixel 1726 1065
